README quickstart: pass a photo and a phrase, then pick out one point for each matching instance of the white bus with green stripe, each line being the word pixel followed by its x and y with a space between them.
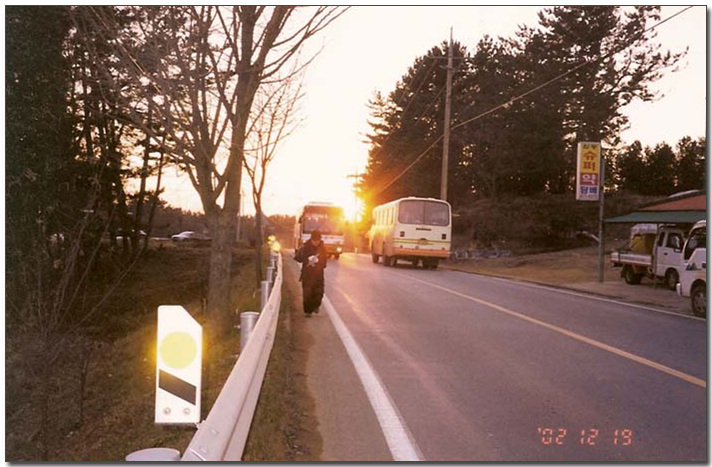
pixel 411 229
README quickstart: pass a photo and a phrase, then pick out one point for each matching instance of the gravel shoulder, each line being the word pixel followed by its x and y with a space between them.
pixel 575 269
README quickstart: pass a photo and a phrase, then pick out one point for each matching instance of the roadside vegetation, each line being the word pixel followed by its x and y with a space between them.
pixel 100 102
pixel 537 224
pixel 100 389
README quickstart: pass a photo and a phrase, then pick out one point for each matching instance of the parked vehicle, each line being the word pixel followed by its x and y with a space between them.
pixel 411 229
pixel 693 279
pixel 190 236
pixel 652 252
pixel 325 217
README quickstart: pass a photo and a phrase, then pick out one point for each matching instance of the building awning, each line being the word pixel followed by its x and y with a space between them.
pixel 659 217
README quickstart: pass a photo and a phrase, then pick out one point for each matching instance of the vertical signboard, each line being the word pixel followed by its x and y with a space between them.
pixel 178 367
pixel 588 171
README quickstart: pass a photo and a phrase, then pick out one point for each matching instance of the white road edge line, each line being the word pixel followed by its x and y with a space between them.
pixel 585 295
pixel 398 437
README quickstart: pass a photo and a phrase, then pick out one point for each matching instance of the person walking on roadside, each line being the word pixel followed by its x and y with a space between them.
pixel 312 255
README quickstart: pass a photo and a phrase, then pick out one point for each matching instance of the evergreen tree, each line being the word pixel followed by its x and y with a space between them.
pixel 691 164
pixel 523 104
pixel 408 125
pixel 659 171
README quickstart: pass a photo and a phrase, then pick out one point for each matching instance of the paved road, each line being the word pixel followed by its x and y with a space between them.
pixel 484 369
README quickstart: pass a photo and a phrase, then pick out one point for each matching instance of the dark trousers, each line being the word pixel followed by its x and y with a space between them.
pixel 312 291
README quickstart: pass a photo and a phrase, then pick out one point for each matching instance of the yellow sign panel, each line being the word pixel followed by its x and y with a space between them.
pixel 588 171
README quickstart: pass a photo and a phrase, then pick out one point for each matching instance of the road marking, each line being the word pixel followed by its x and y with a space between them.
pixel 615 350
pixel 398 437
pixel 589 296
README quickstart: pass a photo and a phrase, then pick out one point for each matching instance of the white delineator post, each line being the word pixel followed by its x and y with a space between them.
pixel 248 320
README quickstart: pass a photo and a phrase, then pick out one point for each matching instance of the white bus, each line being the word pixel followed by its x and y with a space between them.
pixel 325 217
pixel 411 229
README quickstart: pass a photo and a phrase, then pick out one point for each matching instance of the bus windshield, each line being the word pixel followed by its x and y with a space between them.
pixel 328 222
pixel 424 213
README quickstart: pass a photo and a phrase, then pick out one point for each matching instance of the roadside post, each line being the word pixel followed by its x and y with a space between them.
pixel 178 367
pixel 589 186
pixel 248 320
pixel 154 455
pixel 264 293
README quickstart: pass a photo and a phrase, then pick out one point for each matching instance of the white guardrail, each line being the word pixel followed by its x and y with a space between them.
pixel 222 436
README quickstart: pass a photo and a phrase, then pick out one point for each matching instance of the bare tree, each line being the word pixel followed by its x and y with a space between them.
pixel 207 64
pixel 275 119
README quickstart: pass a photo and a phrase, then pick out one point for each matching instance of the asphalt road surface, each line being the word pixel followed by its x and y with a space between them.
pixel 410 364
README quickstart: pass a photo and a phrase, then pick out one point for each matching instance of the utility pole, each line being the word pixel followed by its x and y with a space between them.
pixel 446 132
pixel 356 176
pixel 601 203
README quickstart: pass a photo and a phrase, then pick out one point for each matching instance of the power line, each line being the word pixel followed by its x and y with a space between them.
pixel 521 96
pixel 566 73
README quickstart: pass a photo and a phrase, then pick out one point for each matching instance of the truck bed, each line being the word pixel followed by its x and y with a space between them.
pixel 621 257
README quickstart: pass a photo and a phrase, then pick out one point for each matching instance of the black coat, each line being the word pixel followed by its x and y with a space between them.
pixel 308 249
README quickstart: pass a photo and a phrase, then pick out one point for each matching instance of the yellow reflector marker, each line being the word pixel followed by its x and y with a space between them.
pixel 178 349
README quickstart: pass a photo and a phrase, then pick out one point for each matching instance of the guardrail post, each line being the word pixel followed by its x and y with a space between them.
pixel 154 454
pixel 264 296
pixel 248 320
pixel 270 274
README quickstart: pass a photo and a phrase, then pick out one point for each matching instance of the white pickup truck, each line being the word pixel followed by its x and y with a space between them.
pixel 693 280
pixel 651 253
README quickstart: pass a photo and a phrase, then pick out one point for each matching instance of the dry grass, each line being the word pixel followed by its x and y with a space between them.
pixel 561 267
pixel 285 426
pixel 119 396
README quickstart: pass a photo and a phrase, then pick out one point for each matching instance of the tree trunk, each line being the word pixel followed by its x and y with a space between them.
pixel 155 197
pixel 220 265
pixel 258 244
pixel 135 232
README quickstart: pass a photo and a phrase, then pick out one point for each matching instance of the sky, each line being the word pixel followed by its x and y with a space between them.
pixel 369 49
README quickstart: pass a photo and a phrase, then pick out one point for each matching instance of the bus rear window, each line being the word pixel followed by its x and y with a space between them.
pixel 437 214
pixel 424 213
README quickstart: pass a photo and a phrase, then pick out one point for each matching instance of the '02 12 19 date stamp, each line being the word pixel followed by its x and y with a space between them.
pixel 550 436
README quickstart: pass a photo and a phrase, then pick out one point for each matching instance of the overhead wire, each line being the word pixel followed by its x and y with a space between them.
pixel 537 88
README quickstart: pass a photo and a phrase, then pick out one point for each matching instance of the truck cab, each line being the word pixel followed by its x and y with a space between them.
pixel 693 279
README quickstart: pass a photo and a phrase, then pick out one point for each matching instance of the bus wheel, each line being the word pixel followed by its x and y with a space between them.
pixel 387 261
pixel 434 264
pixel 374 257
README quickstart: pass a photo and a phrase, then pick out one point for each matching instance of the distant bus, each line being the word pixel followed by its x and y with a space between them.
pixel 411 229
pixel 328 219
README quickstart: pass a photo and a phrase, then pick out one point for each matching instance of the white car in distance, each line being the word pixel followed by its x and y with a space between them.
pixel 190 236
